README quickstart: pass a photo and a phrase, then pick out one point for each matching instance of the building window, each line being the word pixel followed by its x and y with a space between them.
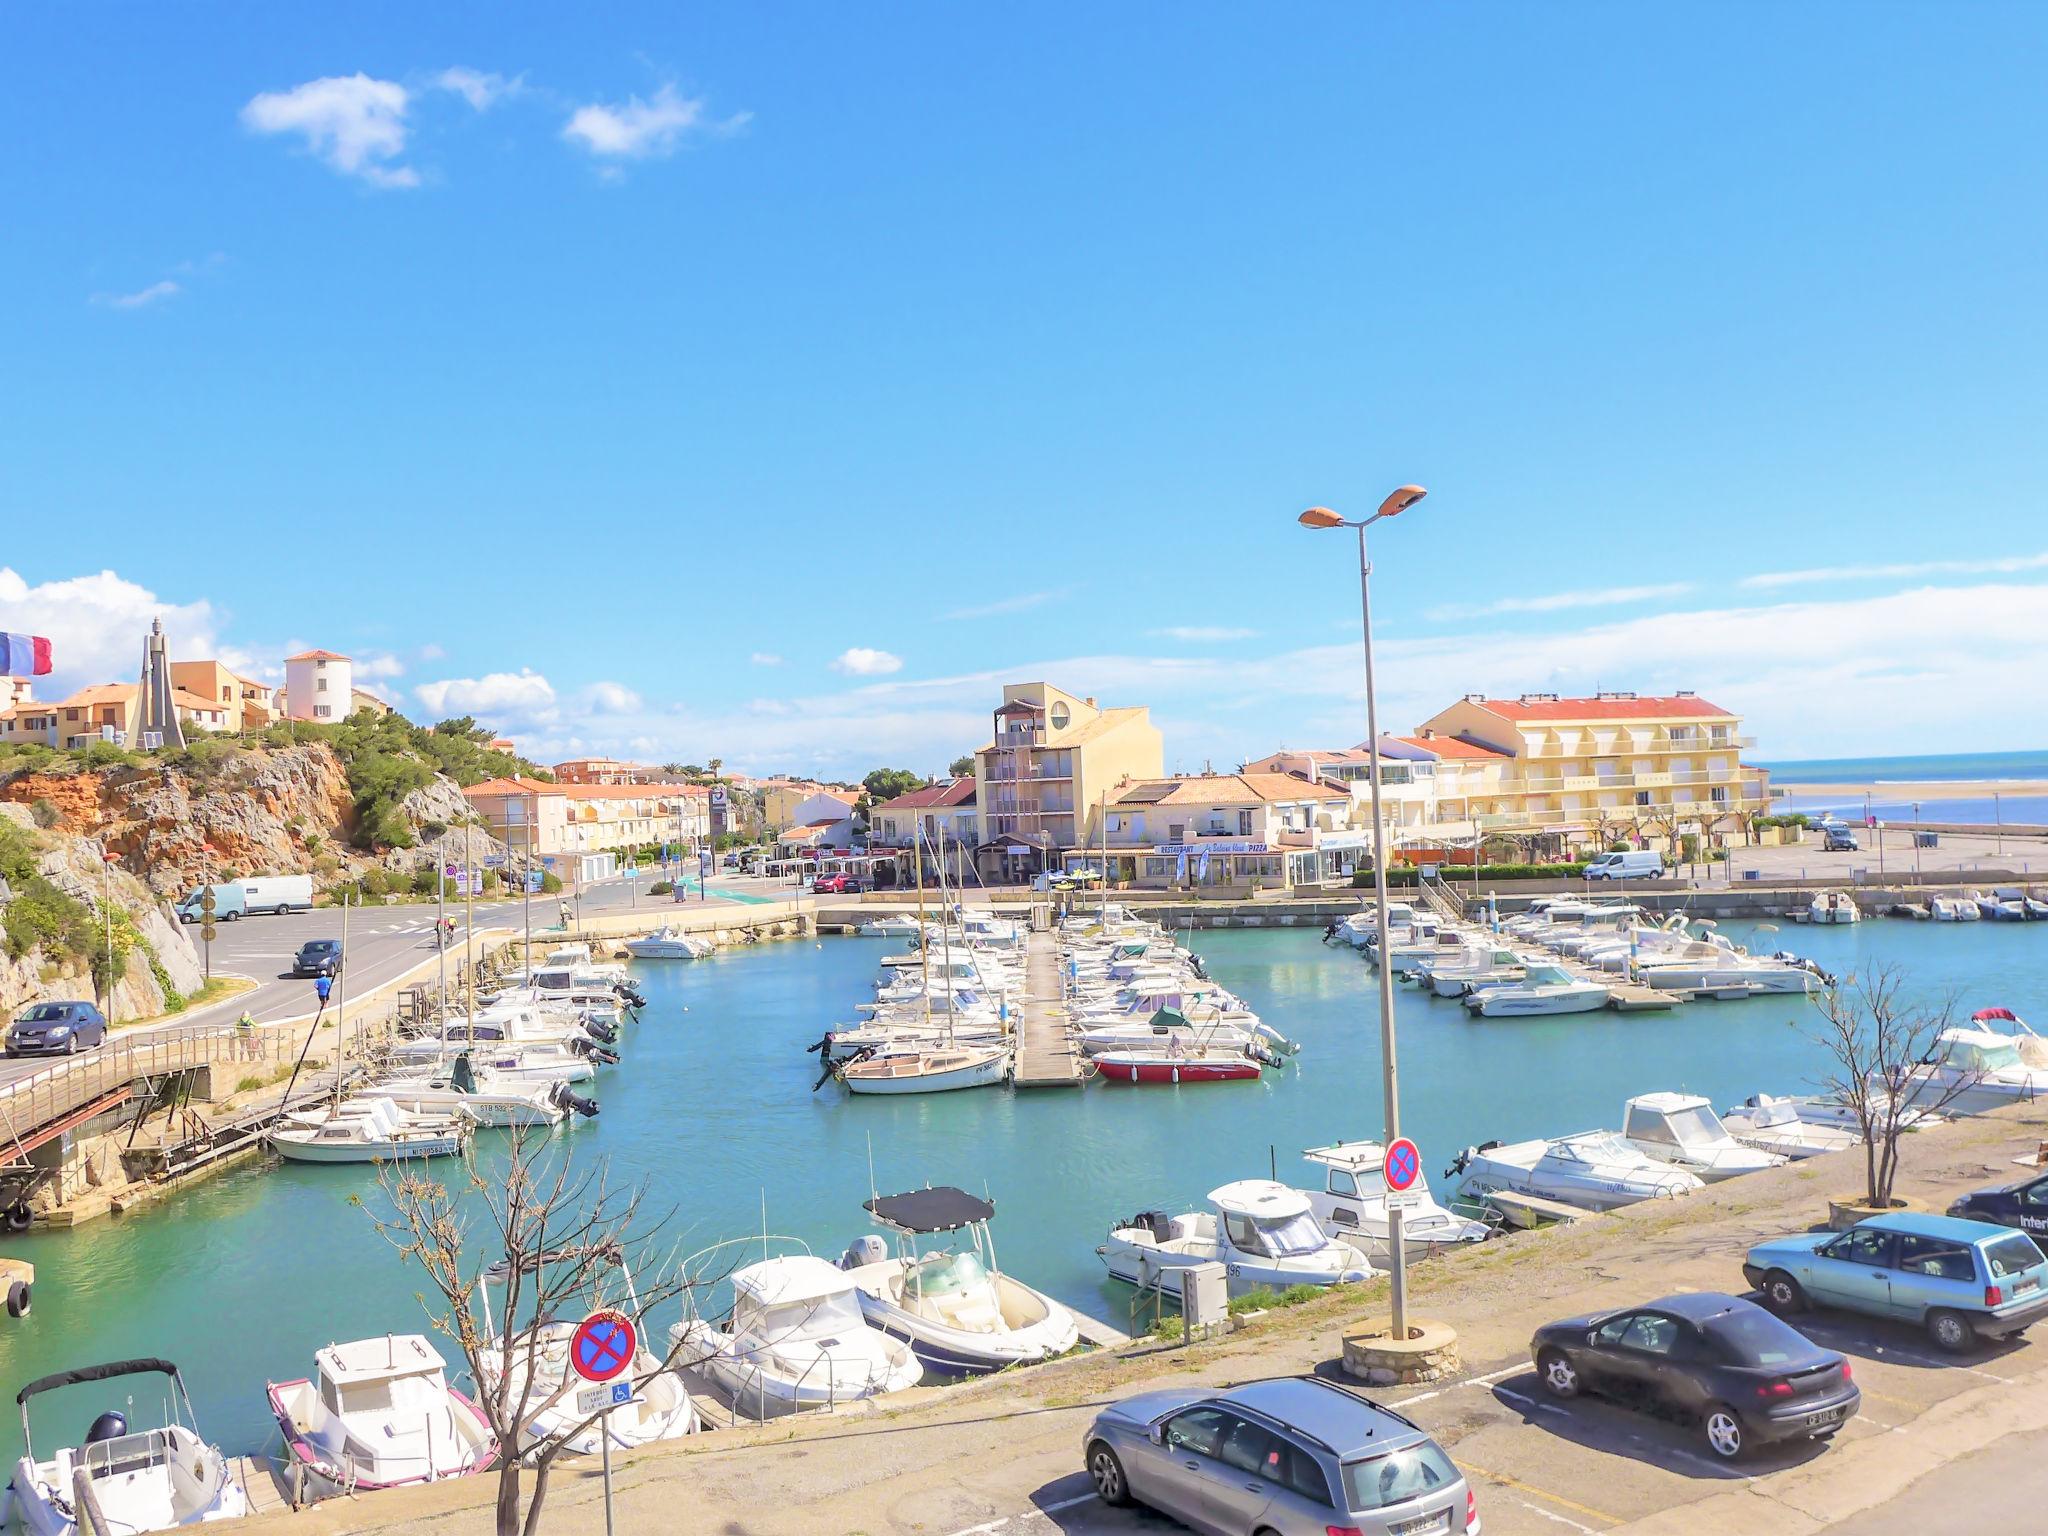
pixel 1060 716
pixel 321 711
pixel 320 685
pixel 1244 823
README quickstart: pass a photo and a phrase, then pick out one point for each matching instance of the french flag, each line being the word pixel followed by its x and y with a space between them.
pixel 24 655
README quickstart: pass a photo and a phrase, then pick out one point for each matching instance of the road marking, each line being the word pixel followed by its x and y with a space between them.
pixel 1886 1397
pixel 1040 1512
pixel 1541 1493
pixel 1526 1402
pixel 1470 1381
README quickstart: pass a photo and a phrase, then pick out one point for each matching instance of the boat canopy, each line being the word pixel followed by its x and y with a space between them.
pixel 1351 1156
pixel 798 1277
pixel 941 1209
pixel 1261 1199
pixel 107 1372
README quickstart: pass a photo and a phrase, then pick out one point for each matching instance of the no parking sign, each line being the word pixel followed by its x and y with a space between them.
pixel 1403 1171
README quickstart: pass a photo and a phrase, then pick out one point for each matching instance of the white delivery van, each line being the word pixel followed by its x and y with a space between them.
pixel 278 893
pixel 1636 864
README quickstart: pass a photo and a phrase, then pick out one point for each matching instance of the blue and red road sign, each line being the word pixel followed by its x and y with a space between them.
pixel 603 1346
pixel 1404 1164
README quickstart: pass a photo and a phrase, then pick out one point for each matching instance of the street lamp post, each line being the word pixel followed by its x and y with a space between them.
pixel 1916 840
pixel 1322 517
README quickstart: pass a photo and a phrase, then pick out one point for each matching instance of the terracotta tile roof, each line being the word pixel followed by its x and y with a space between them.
pixel 185 698
pixel 932 797
pixel 100 693
pixel 1641 707
pixel 1452 747
pixel 317 656
pixel 1229 789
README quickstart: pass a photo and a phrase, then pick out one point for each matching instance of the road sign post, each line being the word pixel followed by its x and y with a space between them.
pixel 601 1351
pixel 1403 1169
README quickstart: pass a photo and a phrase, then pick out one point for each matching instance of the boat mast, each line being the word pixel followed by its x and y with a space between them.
pixel 341 1002
pixel 946 929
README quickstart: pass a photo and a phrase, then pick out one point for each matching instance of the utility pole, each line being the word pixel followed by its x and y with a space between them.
pixel 107 912
pixel 469 915
pixel 440 919
pixel 532 814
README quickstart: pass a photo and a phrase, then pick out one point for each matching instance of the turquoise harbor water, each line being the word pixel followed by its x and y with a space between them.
pixel 241 1279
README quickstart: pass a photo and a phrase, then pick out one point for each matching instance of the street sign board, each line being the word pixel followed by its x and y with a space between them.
pixel 607 1395
pixel 603 1346
pixel 1403 1199
pixel 1404 1164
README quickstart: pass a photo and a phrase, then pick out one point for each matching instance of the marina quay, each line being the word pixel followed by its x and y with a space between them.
pixel 1024 772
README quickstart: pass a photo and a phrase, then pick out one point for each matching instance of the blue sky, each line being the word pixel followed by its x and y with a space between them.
pixel 772 383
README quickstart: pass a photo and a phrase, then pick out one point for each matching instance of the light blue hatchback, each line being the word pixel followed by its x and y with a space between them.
pixel 1960 1280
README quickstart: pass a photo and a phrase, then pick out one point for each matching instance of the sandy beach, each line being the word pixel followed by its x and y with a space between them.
pixel 1920 789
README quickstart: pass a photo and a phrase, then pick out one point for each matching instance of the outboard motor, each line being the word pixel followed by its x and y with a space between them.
pixel 603 1034
pixel 111 1425
pixel 864 1250
pixel 461 1075
pixel 565 1097
pixel 630 992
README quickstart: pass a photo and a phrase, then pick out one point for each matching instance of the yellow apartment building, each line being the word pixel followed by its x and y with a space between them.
pixel 566 823
pixel 247 704
pixel 1581 772
pixel 1041 782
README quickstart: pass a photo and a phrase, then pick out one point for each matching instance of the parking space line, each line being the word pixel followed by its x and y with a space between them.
pixel 1886 1397
pixel 1526 1402
pixel 1542 1493
pixel 1470 1381
pixel 1042 1511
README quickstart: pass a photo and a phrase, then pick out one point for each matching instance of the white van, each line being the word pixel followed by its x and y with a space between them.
pixel 278 893
pixel 1636 864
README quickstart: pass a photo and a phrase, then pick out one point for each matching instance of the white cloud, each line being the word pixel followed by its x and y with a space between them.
pixel 636 129
pixel 482 89
pixel 608 699
pixel 353 122
pixel 431 652
pixel 859 661
pixel 2007 565
pixel 1555 602
pixel 522 696
pixel 1023 602
pixel 141 298
pixel 378 666
pixel 765 659
pixel 1202 634
pixel 97 624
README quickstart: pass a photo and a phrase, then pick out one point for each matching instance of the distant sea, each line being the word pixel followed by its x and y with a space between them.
pixel 1985 770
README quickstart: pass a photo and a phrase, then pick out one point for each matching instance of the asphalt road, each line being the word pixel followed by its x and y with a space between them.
pixel 385 942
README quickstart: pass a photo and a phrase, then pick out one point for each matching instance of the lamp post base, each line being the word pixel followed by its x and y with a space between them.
pixel 1430 1353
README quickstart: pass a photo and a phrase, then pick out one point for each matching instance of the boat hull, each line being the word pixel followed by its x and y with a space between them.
pixel 320 1478
pixel 295 1150
pixel 1115 1068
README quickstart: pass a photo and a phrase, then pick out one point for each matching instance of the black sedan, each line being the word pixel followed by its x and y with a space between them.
pixel 1720 1362
pixel 317 957
pixel 49 1028
pixel 2023 1203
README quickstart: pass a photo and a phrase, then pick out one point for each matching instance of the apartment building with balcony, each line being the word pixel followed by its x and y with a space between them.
pixel 920 824
pixel 247 704
pixel 1581 772
pixel 1055 759
pixel 1429 785
pixel 578 830
pixel 1215 831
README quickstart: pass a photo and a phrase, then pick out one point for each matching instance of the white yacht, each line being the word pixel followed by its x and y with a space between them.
pixel 379 1413
pixel 1775 1125
pixel 1489 964
pixel 142 1480
pixel 1543 989
pixel 367 1130
pixel 1681 1129
pixel 1830 907
pixel 891 926
pixel 1352 1205
pixel 1973 1070
pixel 667 943
pixel 1263 1233
pixel 961 1314
pixel 487 1097
pixel 1594 1170
pixel 796 1338
pixel 535 1359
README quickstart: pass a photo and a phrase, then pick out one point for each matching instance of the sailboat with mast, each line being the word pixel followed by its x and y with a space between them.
pixel 947 1062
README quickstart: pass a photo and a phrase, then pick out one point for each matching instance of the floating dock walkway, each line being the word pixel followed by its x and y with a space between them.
pixel 1047 1056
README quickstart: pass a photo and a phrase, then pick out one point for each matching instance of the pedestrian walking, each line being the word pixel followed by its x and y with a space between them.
pixel 245 1036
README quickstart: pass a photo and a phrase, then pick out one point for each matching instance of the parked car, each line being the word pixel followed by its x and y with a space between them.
pixel 47 1029
pixel 1635 864
pixel 834 885
pixel 1294 1456
pixel 2023 1203
pixel 1960 1280
pixel 317 957
pixel 1720 1362
pixel 1839 840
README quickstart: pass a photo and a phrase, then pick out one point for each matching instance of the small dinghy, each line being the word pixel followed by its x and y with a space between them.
pixel 961 1314
pixel 379 1413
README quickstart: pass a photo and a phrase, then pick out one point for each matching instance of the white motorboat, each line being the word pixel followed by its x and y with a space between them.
pixel 667 943
pixel 1594 1170
pixel 1359 928
pixel 1775 1125
pixel 891 926
pixel 1483 965
pixel 379 1413
pixel 540 1064
pixel 1830 907
pixel 1543 989
pixel 489 1100
pixel 796 1338
pixel 1263 1233
pixel 1681 1129
pixel 366 1130
pixel 1352 1205
pixel 533 1362
pixel 141 1480
pixel 941 1070
pixel 1973 1070
pixel 1953 909
pixel 1835 1112
pixel 515 1026
pixel 961 1314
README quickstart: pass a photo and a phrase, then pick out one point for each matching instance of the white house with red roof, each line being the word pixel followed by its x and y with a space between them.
pixel 318 685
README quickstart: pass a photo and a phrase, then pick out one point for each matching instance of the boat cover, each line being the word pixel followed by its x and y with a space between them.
pixel 94 1373
pixel 944 1209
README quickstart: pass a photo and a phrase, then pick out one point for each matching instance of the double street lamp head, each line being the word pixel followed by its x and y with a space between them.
pixel 1400 501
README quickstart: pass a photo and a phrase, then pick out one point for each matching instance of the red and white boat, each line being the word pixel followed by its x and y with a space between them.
pixel 379 1413
pixel 1195 1064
